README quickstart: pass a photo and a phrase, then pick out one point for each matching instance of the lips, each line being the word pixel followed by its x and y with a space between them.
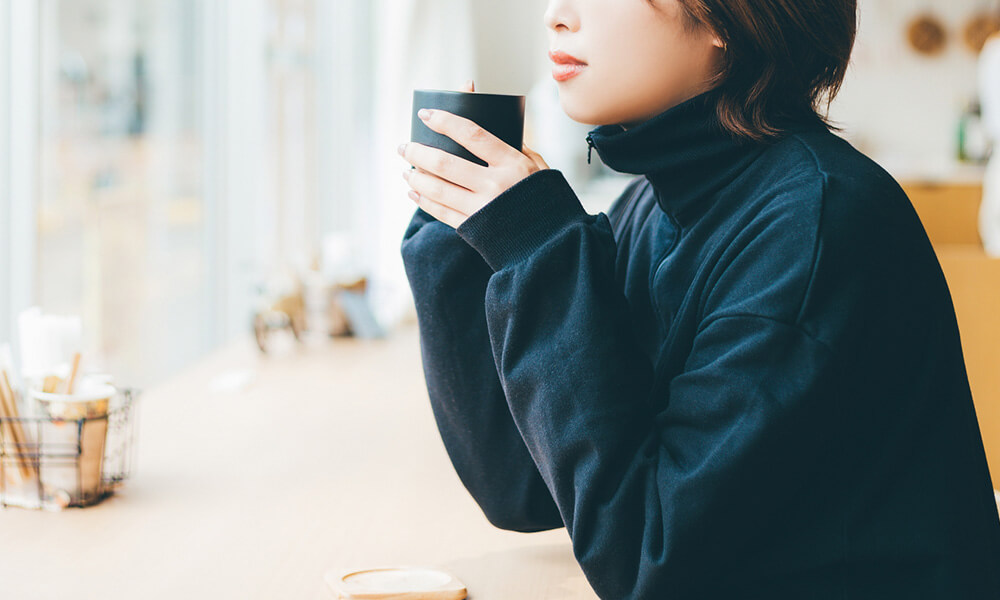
pixel 561 58
pixel 565 65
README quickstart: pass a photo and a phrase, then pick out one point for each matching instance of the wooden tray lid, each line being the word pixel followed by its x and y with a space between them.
pixel 396 583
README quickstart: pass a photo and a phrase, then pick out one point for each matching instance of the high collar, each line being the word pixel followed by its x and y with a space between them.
pixel 684 152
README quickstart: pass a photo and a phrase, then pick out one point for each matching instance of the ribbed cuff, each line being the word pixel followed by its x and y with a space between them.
pixel 523 218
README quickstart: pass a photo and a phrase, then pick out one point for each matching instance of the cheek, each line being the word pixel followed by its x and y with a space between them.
pixel 652 66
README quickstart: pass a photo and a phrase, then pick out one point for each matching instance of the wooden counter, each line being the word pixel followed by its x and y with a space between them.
pixel 328 459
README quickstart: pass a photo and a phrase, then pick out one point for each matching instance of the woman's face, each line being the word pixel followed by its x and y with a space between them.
pixel 639 58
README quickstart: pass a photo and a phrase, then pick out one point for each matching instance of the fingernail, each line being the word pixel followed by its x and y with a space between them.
pixel 401 149
pixel 424 114
pixel 413 195
pixel 406 175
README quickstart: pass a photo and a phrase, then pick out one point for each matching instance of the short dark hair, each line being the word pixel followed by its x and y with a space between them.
pixel 781 58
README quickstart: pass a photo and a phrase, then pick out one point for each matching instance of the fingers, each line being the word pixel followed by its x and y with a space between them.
pixel 470 136
pixel 443 164
pixel 440 212
pixel 445 193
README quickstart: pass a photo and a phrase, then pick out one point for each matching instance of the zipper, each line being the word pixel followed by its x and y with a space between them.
pixel 590 146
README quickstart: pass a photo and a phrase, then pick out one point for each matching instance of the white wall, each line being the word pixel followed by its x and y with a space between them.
pixel 896 103
pixel 511 45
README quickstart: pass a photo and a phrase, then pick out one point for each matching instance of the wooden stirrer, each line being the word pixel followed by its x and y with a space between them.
pixel 72 374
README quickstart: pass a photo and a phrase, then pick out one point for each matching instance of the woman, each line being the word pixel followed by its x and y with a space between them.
pixel 744 380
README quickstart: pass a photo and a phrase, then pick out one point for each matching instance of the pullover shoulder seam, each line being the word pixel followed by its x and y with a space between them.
pixel 819 226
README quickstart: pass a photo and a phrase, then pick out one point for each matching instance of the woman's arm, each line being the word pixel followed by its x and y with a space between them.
pixel 652 489
pixel 448 279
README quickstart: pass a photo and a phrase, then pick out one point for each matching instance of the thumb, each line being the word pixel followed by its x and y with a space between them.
pixel 535 157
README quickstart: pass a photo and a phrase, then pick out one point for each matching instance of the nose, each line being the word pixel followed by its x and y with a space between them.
pixel 561 15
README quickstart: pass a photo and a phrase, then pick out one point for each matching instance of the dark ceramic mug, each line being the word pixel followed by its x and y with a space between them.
pixel 500 114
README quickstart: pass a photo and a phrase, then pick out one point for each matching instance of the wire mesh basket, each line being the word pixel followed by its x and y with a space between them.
pixel 52 463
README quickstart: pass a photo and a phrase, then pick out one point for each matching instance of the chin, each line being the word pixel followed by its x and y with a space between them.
pixel 579 112
pixel 595 109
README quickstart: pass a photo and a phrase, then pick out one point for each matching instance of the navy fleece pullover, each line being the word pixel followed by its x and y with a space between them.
pixel 744 380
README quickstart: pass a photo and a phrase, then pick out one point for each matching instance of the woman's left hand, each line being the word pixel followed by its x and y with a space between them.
pixel 451 188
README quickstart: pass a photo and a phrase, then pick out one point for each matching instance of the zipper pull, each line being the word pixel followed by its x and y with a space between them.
pixel 590 146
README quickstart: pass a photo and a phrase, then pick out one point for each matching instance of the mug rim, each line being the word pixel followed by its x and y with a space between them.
pixel 454 92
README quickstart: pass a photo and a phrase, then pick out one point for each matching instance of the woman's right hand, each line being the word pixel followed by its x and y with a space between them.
pixel 470 87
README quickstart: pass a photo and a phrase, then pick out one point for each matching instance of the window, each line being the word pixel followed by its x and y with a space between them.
pixel 121 210
pixel 162 160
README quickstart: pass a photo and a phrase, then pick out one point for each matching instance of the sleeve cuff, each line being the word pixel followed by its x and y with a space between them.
pixel 523 218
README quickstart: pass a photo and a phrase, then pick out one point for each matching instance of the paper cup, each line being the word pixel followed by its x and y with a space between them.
pixel 74 476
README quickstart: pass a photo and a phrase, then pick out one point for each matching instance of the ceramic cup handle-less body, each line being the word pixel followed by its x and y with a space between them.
pixel 501 115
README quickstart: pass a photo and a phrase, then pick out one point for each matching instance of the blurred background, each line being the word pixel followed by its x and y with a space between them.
pixel 169 169
pixel 203 199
